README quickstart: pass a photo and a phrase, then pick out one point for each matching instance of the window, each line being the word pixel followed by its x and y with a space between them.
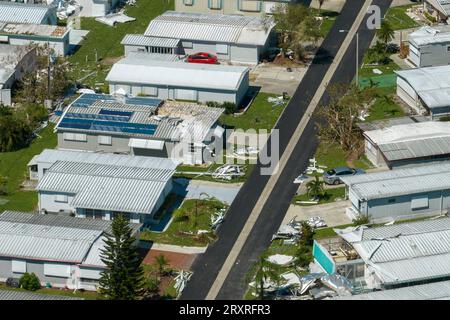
pixel 392 200
pixel 420 202
pixel 70 136
pixel 56 270
pixel 61 198
pixel 215 4
pixel 448 48
pixel 250 6
pixel 188 2
pixel 18 266
pixel 191 148
pixel 105 140
pixel 222 49
pixel 93 214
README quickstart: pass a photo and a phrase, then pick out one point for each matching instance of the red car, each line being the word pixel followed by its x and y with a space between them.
pixel 202 57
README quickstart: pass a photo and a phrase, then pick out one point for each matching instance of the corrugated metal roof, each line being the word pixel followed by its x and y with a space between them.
pixel 413 140
pixel 429 35
pixel 400 182
pixel 107 187
pixel 142 40
pixel 61 221
pixel 408 253
pixel 429 291
pixel 22 295
pixel 408 228
pixel 41 242
pixel 432 84
pixel 442 5
pixel 210 27
pixel 154 56
pixel 52 155
pixel 16 12
pixel 132 70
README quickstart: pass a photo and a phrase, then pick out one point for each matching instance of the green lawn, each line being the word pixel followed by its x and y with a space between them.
pixel 88 295
pixel 385 106
pixel 329 17
pixel 366 71
pixel 332 155
pixel 13 166
pixel 183 231
pixel 106 40
pixel 260 115
pixel 331 195
pixel 398 19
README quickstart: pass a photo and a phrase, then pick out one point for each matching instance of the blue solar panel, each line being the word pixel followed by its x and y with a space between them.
pixel 113 126
pixel 97 117
pixel 116 113
pixel 151 102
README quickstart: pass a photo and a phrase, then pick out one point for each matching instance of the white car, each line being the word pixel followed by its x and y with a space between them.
pixel 300 179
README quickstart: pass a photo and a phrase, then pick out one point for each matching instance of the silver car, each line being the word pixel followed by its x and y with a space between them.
pixel 333 176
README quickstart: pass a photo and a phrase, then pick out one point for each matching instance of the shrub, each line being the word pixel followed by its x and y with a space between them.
pixel 229 107
pixel 444 118
pixel 360 220
pixel 29 282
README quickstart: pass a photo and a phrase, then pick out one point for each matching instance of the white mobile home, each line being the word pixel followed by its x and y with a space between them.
pixel 425 90
pixel 407 145
pixel 139 75
pixel 103 190
pixel 140 126
pixel 64 252
pixel 402 255
pixel 231 37
pixel 400 194
pixel 430 46
pixel 96 8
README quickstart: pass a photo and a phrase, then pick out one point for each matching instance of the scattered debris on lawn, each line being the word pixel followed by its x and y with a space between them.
pixel 114 18
pixel 228 172
pixel 301 178
pixel 280 259
pixel 276 101
pixel 377 71
pixel 313 167
pixel 310 286
pixel 181 280
pixel 246 151
pixel 217 218
pixel 316 222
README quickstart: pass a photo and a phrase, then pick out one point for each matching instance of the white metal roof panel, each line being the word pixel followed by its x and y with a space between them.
pixel 210 27
pixel 432 84
pixel 178 74
pixel 402 181
pixel 23 13
pixel 23 295
pixel 429 291
pixel 50 243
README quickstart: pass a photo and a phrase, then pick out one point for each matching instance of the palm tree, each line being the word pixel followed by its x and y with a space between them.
pixel 265 271
pixel 315 188
pixel 385 33
pixel 162 262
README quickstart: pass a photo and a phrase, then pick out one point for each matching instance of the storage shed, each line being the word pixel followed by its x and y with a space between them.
pixel 400 194
pixel 425 90
pixel 231 37
pixel 139 75
pixel 430 46
pixel 408 145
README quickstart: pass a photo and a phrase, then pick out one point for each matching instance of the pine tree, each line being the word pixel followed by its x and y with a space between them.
pixel 123 277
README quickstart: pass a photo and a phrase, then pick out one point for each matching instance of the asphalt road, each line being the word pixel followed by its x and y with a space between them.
pixel 207 266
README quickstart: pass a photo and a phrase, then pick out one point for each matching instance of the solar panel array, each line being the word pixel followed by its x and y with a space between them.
pixel 108 120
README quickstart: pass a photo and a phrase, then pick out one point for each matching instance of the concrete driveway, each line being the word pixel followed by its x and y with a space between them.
pixel 333 213
pixel 276 79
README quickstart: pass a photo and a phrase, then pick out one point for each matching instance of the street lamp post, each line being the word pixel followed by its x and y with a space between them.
pixel 357 55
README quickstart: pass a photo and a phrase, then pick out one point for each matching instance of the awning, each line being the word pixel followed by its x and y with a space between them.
pixel 146 144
